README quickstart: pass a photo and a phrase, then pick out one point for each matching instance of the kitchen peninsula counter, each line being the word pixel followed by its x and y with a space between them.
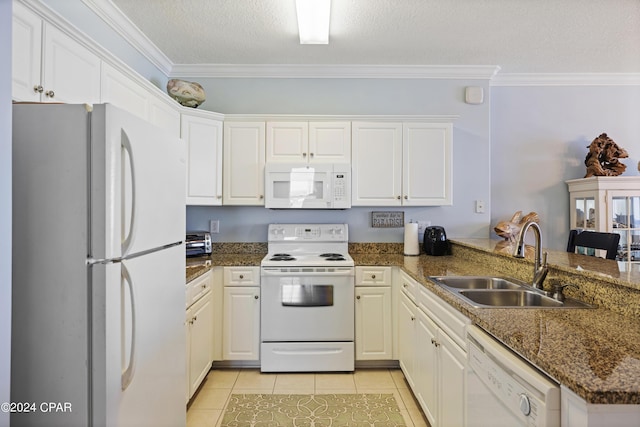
pixel 593 352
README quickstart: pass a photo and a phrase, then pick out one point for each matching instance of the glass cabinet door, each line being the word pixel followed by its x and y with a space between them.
pixel 585 213
pixel 625 220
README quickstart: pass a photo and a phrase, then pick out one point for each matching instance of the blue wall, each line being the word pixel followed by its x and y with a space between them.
pixel 471 148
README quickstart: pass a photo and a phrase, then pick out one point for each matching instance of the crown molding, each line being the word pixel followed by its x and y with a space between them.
pixel 467 72
pixel 566 79
pixel 123 26
pixel 345 117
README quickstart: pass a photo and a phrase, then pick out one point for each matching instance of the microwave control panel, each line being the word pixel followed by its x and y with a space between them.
pixel 341 185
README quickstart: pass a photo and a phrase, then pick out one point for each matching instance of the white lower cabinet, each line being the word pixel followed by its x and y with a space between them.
pixel 431 359
pixel 241 314
pixel 199 330
pixel 374 320
pixel 576 412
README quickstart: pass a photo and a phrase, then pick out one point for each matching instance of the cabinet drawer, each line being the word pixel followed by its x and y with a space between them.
pixel 198 287
pixel 373 276
pixel 408 286
pixel 241 276
pixel 449 319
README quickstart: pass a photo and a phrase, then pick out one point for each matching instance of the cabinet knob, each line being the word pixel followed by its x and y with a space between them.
pixel 204 286
pixel 311 154
pixel 50 93
pixel 398 197
pixel 406 197
pixel 256 297
pixel 242 276
pixel 413 318
pixel 38 88
pixel 304 154
pixel 358 297
pixel 219 196
pixel 373 276
pixel 261 197
pixel 404 285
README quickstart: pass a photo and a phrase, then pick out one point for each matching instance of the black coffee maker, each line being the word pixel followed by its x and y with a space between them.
pixel 435 241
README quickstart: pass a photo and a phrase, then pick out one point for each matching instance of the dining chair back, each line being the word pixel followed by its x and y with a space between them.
pixel 595 240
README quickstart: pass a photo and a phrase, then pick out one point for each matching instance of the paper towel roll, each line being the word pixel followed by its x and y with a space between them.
pixel 411 245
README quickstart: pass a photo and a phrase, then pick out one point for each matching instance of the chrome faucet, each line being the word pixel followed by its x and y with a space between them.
pixel 540 268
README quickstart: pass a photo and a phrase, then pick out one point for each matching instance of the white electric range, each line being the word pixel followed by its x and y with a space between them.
pixel 307 291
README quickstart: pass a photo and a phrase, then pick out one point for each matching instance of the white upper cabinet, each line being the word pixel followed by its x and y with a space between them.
pixel 401 164
pixel 244 159
pixel 308 142
pixel 203 137
pixel 427 164
pixel 376 164
pixel 120 90
pixel 48 65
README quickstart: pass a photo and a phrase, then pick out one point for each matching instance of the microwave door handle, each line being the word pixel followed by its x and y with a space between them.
pixel 128 241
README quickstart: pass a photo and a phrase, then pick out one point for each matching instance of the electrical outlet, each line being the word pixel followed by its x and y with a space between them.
pixel 479 206
pixel 421 226
pixel 214 226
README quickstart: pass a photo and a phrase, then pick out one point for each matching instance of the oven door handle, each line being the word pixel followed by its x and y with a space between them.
pixel 302 271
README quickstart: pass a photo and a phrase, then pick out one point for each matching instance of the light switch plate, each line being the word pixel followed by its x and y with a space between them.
pixel 214 226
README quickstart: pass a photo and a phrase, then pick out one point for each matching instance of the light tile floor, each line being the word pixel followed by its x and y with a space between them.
pixel 207 406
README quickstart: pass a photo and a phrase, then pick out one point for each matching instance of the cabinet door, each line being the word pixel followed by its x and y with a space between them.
pixel 287 142
pixel 26 56
pixel 373 323
pixel 376 154
pixel 70 72
pixel 241 334
pixel 120 90
pixel 426 377
pixel 200 320
pixel 427 164
pixel 330 142
pixel 244 158
pixel 452 382
pixel 165 114
pixel 406 337
pixel 204 160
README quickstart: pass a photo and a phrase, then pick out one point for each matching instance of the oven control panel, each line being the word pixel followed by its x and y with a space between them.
pixel 308 232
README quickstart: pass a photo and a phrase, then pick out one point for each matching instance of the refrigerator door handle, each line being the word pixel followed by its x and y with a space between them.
pixel 128 241
pixel 127 375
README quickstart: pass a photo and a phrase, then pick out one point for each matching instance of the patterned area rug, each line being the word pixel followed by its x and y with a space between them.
pixel 312 410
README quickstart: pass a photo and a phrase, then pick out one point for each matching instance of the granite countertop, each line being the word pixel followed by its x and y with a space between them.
pixel 594 352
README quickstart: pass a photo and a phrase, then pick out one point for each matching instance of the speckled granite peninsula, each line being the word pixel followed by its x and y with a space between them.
pixel 594 352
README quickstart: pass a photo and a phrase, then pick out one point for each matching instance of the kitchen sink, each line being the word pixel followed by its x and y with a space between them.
pixel 477 282
pixel 509 298
pixel 500 292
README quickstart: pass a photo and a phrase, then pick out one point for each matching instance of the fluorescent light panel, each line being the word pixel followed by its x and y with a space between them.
pixel 313 21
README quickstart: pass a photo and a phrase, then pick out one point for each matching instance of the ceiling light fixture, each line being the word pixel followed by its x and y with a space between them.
pixel 313 21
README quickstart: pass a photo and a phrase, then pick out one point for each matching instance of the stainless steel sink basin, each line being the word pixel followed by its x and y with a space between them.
pixel 500 292
pixel 509 298
pixel 477 282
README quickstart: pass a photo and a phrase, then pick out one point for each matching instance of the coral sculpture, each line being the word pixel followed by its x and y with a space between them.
pixel 189 94
pixel 603 157
pixel 509 229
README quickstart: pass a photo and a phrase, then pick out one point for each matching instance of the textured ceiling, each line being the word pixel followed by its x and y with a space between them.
pixel 521 36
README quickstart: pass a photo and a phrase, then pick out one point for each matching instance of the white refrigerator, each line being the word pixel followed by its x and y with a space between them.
pixel 98 335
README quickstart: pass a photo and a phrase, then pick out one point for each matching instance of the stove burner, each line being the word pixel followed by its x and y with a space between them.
pixel 331 255
pixel 336 258
pixel 282 257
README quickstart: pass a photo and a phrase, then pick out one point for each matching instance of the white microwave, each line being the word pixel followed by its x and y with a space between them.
pixel 307 186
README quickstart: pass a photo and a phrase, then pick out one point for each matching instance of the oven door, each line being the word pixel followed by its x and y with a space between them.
pixel 298 186
pixel 307 307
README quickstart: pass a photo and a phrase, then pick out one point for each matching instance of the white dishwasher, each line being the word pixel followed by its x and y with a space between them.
pixel 503 390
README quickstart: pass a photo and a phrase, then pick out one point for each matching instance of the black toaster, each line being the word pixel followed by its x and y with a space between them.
pixel 435 241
